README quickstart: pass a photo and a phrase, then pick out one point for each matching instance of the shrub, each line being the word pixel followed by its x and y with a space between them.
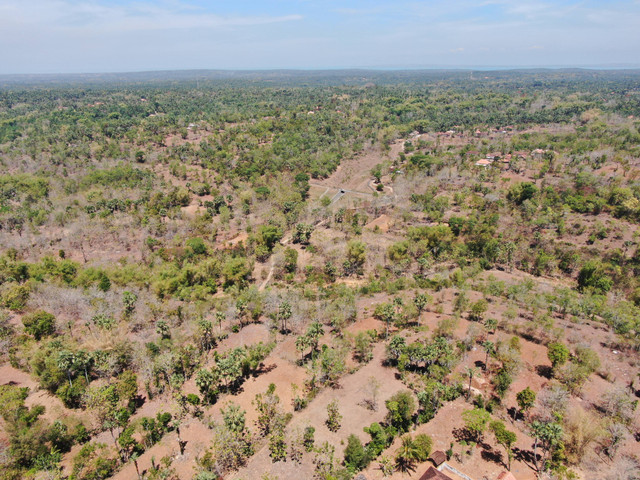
pixel 558 354
pixel 401 408
pixel 15 296
pixel 39 324
pixel 592 276
pixel 333 416
pixel 423 444
pixel 355 455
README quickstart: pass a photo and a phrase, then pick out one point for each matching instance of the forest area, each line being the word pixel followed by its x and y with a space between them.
pixel 332 275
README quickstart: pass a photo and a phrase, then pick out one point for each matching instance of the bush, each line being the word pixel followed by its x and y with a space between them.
pixel 592 276
pixel 558 354
pixel 39 324
pixel 502 381
pixel 92 463
pixel 72 394
pixel 423 444
pixel 355 455
pixel 401 408
pixel 15 296
pixel 333 416
pixel 380 439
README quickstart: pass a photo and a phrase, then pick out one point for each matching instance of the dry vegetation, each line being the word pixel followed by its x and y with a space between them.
pixel 312 281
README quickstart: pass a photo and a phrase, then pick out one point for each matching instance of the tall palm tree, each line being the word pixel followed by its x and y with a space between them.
pixel 489 348
pixel 470 372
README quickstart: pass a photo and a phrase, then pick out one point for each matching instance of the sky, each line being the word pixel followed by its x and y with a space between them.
pixel 72 36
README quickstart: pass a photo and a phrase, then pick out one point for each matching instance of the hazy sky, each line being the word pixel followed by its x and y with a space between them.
pixel 61 36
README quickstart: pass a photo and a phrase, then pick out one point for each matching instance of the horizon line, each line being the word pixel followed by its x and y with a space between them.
pixel 407 68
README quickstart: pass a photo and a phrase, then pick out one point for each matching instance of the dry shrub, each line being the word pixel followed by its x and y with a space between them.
pixel 582 428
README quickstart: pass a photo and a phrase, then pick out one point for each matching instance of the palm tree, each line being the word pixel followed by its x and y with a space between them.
pixel 407 455
pixel 284 314
pixel 66 361
pixel 470 372
pixel 302 343
pixel 220 317
pixel 489 348
pixel 314 333
pixel 491 324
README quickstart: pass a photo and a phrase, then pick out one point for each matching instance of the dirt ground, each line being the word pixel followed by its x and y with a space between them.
pixel 353 174
pixel 352 391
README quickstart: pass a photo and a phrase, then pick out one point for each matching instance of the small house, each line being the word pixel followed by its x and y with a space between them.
pixel 438 458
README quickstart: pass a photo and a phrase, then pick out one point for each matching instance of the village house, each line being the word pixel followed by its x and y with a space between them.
pixel 438 458
pixel 433 474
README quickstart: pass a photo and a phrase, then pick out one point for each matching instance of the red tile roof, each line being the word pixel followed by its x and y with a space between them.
pixel 433 474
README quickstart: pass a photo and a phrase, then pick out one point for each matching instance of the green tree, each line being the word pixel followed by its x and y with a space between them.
pixel 505 438
pixel 66 362
pixel 268 411
pixel 478 309
pixel 356 256
pixel 302 233
pixel 205 331
pixel 308 438
pixel 376 172
pixel 491 324
pixel 558 354
pixel 526 400
pixel 269 235
pixel 475 422
pixel 162 329
pixel 355 455
pixel 400 409
pixel 363 350
pixel 302 343
pixel 548 435
pixel 521 192
pixel 290 260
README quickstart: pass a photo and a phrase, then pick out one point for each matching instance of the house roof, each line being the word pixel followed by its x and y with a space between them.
pixel 483 161
pixel 438 457
pixel 506 476
pixel 433 474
